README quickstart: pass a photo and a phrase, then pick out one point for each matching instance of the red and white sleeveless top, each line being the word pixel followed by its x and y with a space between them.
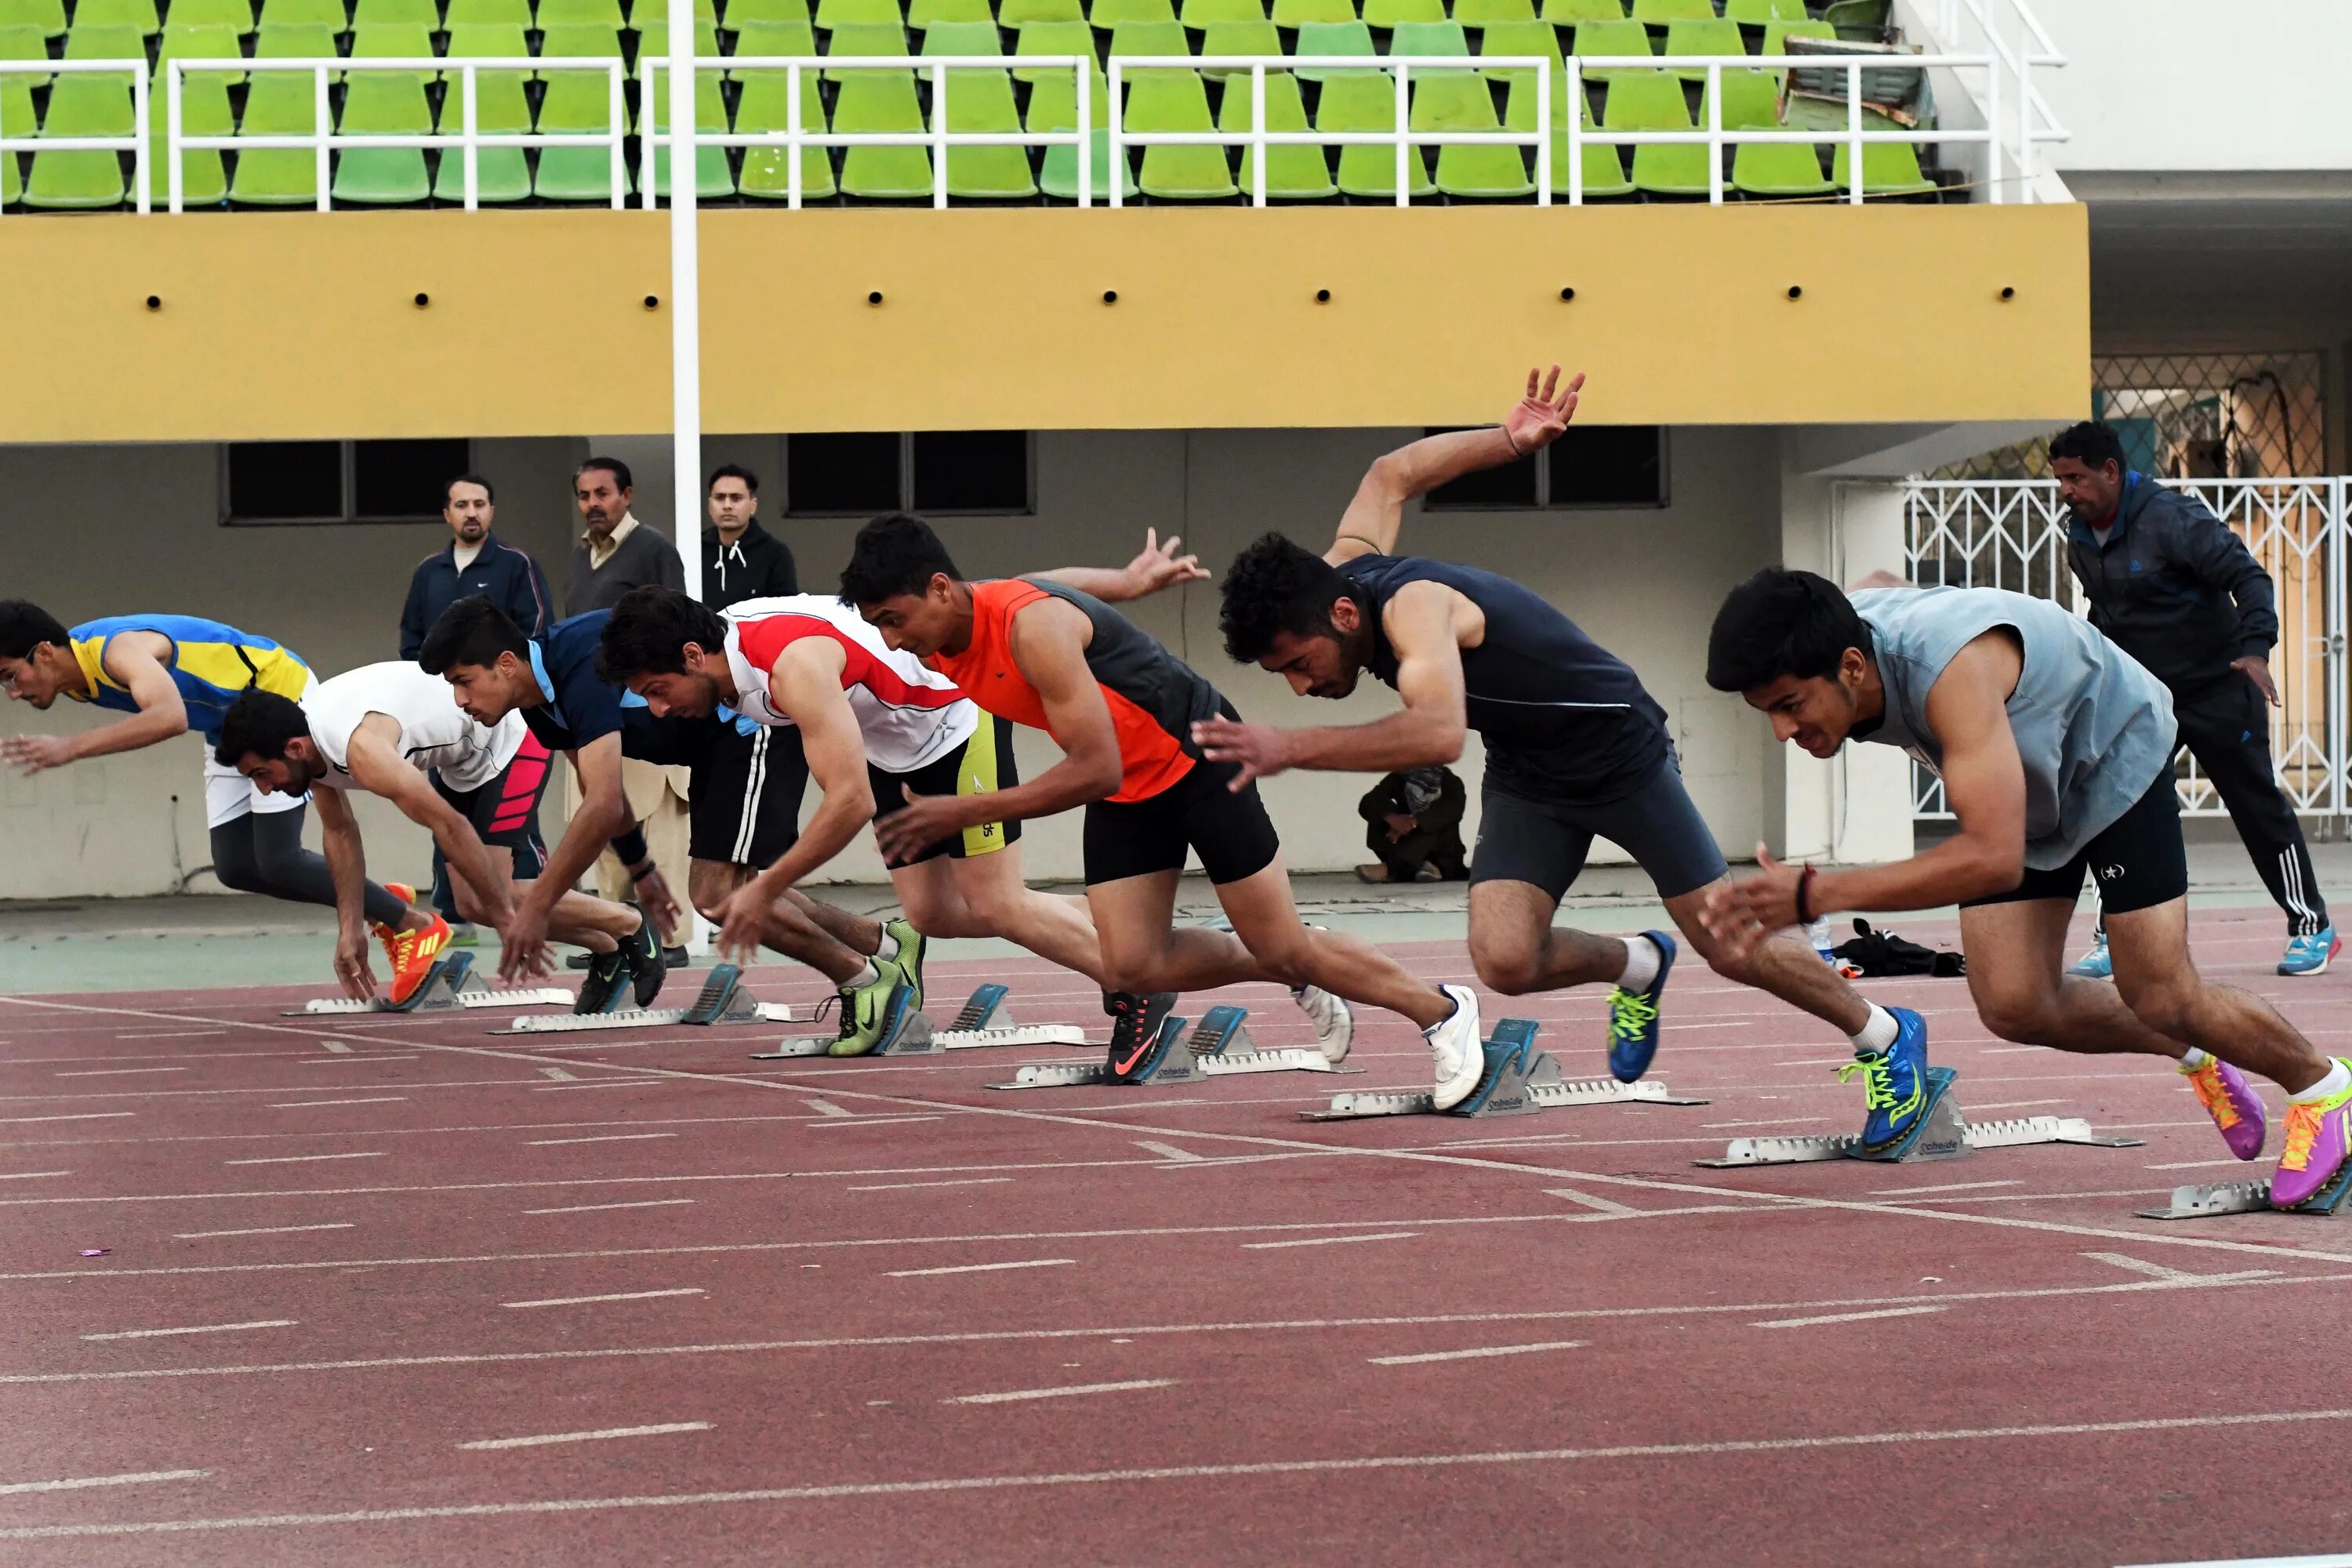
pixel 911 714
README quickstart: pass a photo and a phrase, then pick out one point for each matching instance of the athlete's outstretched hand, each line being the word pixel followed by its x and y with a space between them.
pixel 34 753
pixel 742 924
pixel 1158 566
pixel 1262 750
pixel 914 827
pixel 523 944
pixel 351 969
pixel 1741 915
pixel 655 896
pixel 1541 417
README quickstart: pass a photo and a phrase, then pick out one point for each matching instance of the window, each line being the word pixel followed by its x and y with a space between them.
pixel 282 482
pixel 1591 466
pixel 936 471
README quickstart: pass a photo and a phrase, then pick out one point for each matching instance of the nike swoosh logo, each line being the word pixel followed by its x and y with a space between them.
pixel 1133 1056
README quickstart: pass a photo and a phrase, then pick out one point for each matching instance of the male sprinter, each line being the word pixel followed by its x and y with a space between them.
pixel 1575 748
pixel 177 673
pixel 1121 707
pixel 390 728
pixel 2055 749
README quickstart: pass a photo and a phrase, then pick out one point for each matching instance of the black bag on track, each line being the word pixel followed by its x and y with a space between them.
pixel 1883 953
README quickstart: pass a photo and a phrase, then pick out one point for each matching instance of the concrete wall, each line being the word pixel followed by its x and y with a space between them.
pixel 102 529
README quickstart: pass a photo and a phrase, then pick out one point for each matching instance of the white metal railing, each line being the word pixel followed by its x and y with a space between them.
pixel 135 143
pixel 2013 533
pixel 324 140
pixel 2022 47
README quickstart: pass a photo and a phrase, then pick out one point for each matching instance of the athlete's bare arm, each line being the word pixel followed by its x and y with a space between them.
pixel 377 766
pixel 347 867
pixel 1156 567
pixel 603 812
pixel 1984 780
pixel 136 660
pixel 806 686
pixel 1369 525
pixel 1049 648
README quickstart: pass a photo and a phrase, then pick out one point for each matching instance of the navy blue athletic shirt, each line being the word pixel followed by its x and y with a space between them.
pixel 580 705
pixel 1562 718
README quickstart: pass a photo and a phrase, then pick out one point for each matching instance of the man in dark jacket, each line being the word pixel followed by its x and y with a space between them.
pixel 476 562
pixel 1415 826
pixel 741 559
pixel 2176 590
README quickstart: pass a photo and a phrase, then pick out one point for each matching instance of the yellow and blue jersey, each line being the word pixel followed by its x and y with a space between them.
pixel 212 664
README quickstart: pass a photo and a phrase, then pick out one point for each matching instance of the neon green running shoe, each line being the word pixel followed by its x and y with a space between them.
pixel 911 944
pixel 871 1014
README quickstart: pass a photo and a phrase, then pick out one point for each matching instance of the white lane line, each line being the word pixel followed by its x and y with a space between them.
pixel 901 1186
pixel 84 1116
pixel 2010 1050
pixel 14 1488
pixel 2015 1104
pixel 306 1104
pixel 2175 1276
pixel 1768 1121
pixel 1942 1187
pixel 1329 1240
pixel 337 1047
pixel 201 1329
pixel 482 1444
pixel 618 1296
pixel 259 1230
pixel 169 1034
pixel 29 1175
pixel 867 1122
pixel 2195 1164
pixel 600 1138
pixel 302 1159
pixel 2329 1559
pixel 1603 1206
pixel 114 1072
pixel 1063 1393
pixel 561 1075
pixel 334 1061
pixel 1845 1317
pixel 1474 1354
pixel 607 1083
pixel 826 1107
pixel 600 1208
pixel 982 1268
pixel 1169 1151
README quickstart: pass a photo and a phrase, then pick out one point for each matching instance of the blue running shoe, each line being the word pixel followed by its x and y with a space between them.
pixel 2309 954
pixel 1633 1016
pixel 2096 965
pixel 1894 1090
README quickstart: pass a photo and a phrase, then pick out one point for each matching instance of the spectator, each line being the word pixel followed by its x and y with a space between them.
pixel 745 561
pixel 1415 828
pixel 476 562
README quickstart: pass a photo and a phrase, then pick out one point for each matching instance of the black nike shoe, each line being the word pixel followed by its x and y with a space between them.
pixel 1136 1045
pixel 641 953
pixel 601 987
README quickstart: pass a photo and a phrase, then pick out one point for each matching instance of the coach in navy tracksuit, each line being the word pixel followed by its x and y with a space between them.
pixel 475 563
pixel 2175 588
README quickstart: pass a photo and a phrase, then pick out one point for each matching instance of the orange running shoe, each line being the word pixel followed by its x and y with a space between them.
pixel 404 893
pixel 413 953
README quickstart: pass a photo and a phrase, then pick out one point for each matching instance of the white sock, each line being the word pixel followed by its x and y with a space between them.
pixel 2338 1078
pixel 1641 961
pixel 889 948
pixel 867 975
pixel 2192 1058
pixel 1877 1033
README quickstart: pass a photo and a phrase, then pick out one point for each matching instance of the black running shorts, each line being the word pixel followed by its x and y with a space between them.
pixel 745 804
pixel 1230 832
pixel 2139 859
pixel 983 764
pixel 505 811
pixel 1544 842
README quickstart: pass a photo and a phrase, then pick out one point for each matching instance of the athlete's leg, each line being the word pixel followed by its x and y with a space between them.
pixel 1288 949
pixel 788 929
pixel 2157 980
pixel 256 845
pixel 1144 951
pixel 999 902
pixel 1782 964
pixel 578 919
pixel 1515 949
pixel 2016 953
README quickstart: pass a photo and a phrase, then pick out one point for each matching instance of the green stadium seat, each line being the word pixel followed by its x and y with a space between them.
pixel 1054 106
pixel 982 100
pixel 1565 12
pixel 580 14
pixel 1295 173
pixel 579 41
pixel 1487 12
pixel 501 174
pixel 577 102
pixel 486 41
pixel 882 100
pixel 1776 34
pixel 763 107
pixel 1604 166
pixel 1863 21
pixel 1757 13
pixel 1332 38
pixel 832 14
pixel 23 41
pixel 653 40
pixel 1462 101
pixel 1295 13
pixel 96 42
pixel 1143 38
pixel 1505 38
pixel 277 104
pixel 12 184
pixel 236 15
pixel 295 41
pixel 1708 37
pixel 742 14
pixel 425 14
pixel 203 111
pixel 645 14
pixel 1367 102
pixel 1202 15
pixel 1108 15
pixel 1653 102
pixel 1658 13
pixel 139 14
pixel 714 179
pixel 867 39
pixel 389 41
pixel 83 105
pixel 1068 38
pixel 1888 168
pixel 16 119
pixel 1257 40
pixel 1434 40
pixel 1019 14
pixel 47 15
pixel 1782 170
pixel 389 105
pixel 962 39
pixel 484 13
pixel 924 14
pixel 1605 38
pixel 777 40
pixel 1177 101
pixel 327 13
pixel 187 43
pixel 1390 13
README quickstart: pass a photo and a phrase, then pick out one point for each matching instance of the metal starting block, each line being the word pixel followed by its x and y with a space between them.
pixel 984 1020
pixel 452 984
pixel 1944 1133
pixel 722 999
pixel 2220 1198
pixel 1517 1079
pixel 1218 1047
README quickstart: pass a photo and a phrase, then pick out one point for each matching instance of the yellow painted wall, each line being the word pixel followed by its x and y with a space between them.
pixel 305 325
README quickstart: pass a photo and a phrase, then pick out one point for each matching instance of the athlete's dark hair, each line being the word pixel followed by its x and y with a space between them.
pixel 1276 586
pixel 731 471
pixel 648 631
pixel 489 493
pixel 24 625
pixel 613 465
pixel 2090 443
pixel 260 724
pixel 1781 622
pixel 895 553
pixel 471 631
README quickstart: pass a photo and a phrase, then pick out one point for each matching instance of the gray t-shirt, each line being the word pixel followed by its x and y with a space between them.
pixel 2094 728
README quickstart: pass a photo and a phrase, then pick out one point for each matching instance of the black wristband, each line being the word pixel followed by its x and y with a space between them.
pixel 630 844
pixel 1804 880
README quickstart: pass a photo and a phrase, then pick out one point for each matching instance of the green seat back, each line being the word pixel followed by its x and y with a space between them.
pixel 186 43
pixel 1504 38
pixel 1106 15
pixel 776 40
pixel 1463 101
pixel 486 14
pixel 277 104
pixel 294 41
pixel 91 104
pixel 1367 102
pixel 1438 40
pixel 233 14
pixel 1487 12
pixel 764 106
pixel 925 15
pixel 486 41
pixel 714 177
pixel 575 101
pixel 23 41
pixel 1388 13
pixel 1257 40
pixel 389 41
pixel 94 42
pixel 1757 13
pixel 1604 166
pixel 653 40
pixel 1568 12
pixel 1202 15
pixel 1888 168
pixel 501 174
pixel 1708 37
pixel 1658 13
pixel 47 15
pixel 203 111
pixel 1054 106
pixel 1777 34
pixel 962 39
pixel 1144 38
pixel 1332 38
pixel 882 100
pixel 982 100
pixel 1653 102
pixel 1300 13
pixel 1751 102
pixel 1020 14
pixel 425 14
pixel 1296 174
pixel 832 14
pixel 1051 38
pixel 579 41
pixel 327 13
pixel 1863 21
pixel 645 14
pixel 742 14
pixel 1178 100
pixel 1612 38
pixel 580 13
pixel 868 39
pixel 139 14
pixel 383 176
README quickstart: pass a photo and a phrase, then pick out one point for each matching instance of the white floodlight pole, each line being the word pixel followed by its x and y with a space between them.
pixel 685 297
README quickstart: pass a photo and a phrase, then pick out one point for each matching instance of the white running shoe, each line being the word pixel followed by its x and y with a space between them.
pixel 1334 1020
pixel 1458 1043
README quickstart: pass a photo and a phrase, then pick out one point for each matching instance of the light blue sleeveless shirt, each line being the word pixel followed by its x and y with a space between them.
pixel 2094 728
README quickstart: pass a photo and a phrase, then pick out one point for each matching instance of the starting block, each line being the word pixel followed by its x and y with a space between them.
pixel 2223 1198
pixel 722 999
pixel 982 1021
pixel 1944 1133
pixel 452 984
pixel 1218 1047
pixel 1517 1079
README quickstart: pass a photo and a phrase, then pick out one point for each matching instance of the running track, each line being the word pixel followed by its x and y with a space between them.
pixel 394 1290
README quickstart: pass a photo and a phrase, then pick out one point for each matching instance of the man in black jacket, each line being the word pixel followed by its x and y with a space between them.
pixel 741 559
pixel 2176 590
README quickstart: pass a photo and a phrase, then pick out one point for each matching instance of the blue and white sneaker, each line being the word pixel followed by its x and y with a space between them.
pixel 2309 954
pixel 1895 1092
pixel 1633 1016
pixel 2096 965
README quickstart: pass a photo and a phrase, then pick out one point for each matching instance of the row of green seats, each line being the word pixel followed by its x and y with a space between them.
pixel 50 19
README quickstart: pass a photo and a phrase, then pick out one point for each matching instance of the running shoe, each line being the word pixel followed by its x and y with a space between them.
pixel 911 944
pixel 1136 1046
pixel 1334 1020
pixel 1894 1085
pixel 1460 1048
pixel 607 973
pixel 2094 964
pixel 1633 1016
pixel 465 933
pixel 406 894
pixel 2318 1140
pixel 2232 1104
pixel 412 953
pixel 2310 954
pixel 642 956
pixel 869 1013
